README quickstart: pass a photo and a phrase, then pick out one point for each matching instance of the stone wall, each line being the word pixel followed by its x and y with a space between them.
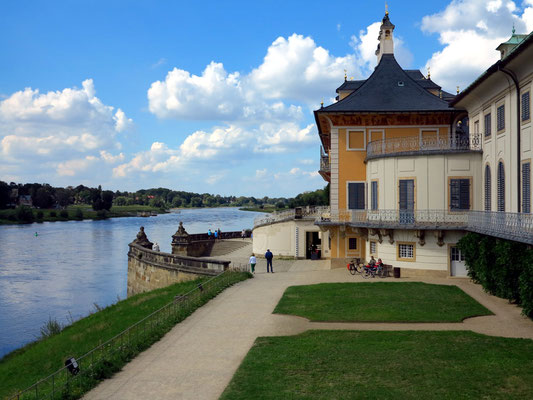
pixel 148 269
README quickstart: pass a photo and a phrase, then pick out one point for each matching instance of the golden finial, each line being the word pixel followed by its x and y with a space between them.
pixel 345 76
pixel 429 73
pixel 457 89
pixel 322 104
pixel 351 78
pixel 440 94
pixel 386 9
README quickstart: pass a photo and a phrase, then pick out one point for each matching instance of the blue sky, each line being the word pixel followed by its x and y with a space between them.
pixel 213 96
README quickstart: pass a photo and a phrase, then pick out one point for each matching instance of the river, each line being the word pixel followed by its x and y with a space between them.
pixel 70 268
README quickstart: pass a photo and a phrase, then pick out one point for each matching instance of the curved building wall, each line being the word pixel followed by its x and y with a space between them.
pixel 288 238
pixel 431 174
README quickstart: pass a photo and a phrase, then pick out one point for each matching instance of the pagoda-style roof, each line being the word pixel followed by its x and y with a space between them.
pixel 390 89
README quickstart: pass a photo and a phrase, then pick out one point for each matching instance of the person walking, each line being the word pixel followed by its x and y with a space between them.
pixel 243 234
pixel 253 261
pixel 269 256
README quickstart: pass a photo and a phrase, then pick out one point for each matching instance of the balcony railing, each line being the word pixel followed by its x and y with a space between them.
pixel 512 226
pixel 324 162
pixel 281 216
pixel 427 144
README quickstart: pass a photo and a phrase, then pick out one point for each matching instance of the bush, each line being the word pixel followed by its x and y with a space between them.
pixel 53 214
pixel 504 268
pixel 24 214
pixel 78 214
pixel 101 214
pixel 63 214
pixel 40 215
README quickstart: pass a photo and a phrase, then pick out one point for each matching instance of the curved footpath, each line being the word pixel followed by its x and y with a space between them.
pixel 197 358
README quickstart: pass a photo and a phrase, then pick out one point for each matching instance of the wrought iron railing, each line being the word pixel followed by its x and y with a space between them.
pixel 513 226
pixel 122 347
pixel 429 144
pixel 325 165
pixel 281 216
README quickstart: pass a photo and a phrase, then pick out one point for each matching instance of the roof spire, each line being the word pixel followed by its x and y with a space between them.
pixel 457 89
pixel 429 73
pixel 513 29
pixel 386 9
pixel 345 76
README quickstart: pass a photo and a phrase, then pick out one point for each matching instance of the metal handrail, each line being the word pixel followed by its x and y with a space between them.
pixel 424 144
pixel 506 225
pixel 287 215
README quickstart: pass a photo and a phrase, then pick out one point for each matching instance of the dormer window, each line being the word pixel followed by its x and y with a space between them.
pixel 401 84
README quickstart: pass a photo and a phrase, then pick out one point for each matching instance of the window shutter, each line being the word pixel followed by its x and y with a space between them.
pixel 526 187
pixel 525 107
pixel 500 116
pixel 501 187
pixel 464 194
pixel 374 195
pixel 487 189
pixel 356 196
pixel 360 204
pixel 351 196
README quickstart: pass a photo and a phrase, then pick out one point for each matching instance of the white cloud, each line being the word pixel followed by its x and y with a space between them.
pixel 220 145
pixel 294 70
pixel 58 131
pixel 469 31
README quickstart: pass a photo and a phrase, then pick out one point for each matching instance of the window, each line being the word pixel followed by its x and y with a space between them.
pixel 488 127
pixel 356 195
pixel 457 255
pixel 526 187
pixel 487 189
pixel 373 247
pixel 374 200
pixel 459 194
pixel 500 117
pixel 526 115
pixel 406 251
pixel 501 187
pixel 352 244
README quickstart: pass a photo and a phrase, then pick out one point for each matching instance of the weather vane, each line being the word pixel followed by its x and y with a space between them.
pixel 386 9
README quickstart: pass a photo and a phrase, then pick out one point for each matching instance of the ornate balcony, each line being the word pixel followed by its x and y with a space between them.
pixel 512 226
pixel 325 167
pixel 415 145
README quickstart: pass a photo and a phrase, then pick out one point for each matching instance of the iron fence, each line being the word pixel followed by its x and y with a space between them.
pixel 281 216
pixel 417 144
pixel 107 358
pixel 506 225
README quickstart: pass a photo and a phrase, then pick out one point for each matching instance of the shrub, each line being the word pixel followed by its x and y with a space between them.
pixel 24 214
pixel 78 214
pixel 40 215
pixel 101 214
pixel 504 268
pixel 63 214
pixel 53 214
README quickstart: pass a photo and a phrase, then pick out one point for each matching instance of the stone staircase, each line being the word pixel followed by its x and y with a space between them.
pixel 223 247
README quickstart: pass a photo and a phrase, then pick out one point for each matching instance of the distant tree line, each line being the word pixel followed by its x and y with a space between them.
pixel 47 196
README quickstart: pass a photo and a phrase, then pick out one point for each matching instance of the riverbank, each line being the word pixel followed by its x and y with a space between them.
pixel 73 213
pixel 23 367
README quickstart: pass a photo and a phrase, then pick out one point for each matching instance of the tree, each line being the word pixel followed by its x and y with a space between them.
pixel 43 197
pixel 5 192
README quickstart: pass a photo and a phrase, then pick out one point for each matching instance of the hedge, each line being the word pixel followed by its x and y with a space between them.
pixel 504 268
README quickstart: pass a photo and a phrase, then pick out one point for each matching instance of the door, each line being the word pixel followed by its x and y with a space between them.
pixel 457 262
pixel 407 201
pixel 313 245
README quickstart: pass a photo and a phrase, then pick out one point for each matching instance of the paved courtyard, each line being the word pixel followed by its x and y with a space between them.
pixel 198 357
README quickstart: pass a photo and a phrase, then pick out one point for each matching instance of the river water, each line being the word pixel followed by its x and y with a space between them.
pixel 68 267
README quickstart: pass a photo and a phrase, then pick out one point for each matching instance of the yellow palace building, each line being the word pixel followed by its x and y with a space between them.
pixel 407 169
pixel 413 168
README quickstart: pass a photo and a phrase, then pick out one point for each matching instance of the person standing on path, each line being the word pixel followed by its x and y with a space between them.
pixel 253 261
pixel 269 256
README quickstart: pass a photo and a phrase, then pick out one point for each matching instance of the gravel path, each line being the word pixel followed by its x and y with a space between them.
pixel 197 358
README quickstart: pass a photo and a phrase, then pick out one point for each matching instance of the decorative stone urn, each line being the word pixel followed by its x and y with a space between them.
pixel 142 239
pixel 180 241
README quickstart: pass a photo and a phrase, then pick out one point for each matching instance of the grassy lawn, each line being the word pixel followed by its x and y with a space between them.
pixel 37 360
pixel 379 302
pixel 385 365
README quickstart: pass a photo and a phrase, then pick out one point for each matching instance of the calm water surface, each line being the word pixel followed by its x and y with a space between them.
pixel 72 265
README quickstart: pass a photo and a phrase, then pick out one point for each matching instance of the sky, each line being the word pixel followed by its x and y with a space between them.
pixel 212 96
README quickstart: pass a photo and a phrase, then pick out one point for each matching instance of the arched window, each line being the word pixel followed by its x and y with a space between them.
pixel 487 188
pixel 501 187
